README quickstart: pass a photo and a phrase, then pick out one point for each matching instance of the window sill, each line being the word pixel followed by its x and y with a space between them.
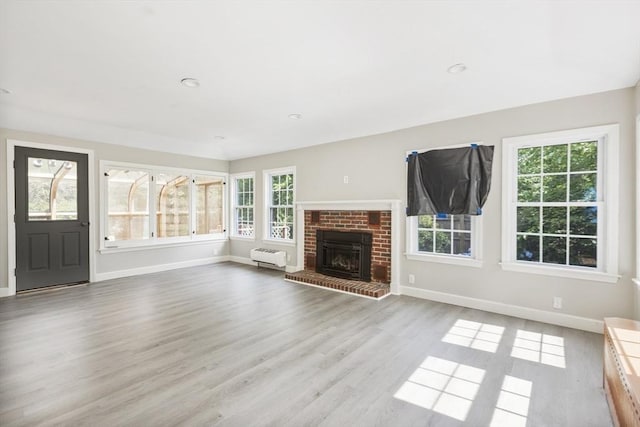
pixel 444 259
pixel 243 239
pixel 149 246
pixel 571 273
pixel 279 242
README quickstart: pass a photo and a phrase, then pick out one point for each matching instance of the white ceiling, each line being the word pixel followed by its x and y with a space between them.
pixel 110 70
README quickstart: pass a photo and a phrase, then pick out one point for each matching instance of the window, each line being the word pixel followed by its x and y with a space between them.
pixel 127 216
pixel 444 238
pixel 561 202
pixel 209 206
pixel 449 234
pixel 187 205
pixel 172 211
pixel 279 197
pixel 243 208
pixel 53 189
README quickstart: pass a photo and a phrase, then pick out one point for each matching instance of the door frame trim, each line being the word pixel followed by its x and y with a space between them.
pixel 11 207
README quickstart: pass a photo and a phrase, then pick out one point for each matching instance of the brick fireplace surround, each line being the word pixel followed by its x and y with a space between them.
pixel 380 218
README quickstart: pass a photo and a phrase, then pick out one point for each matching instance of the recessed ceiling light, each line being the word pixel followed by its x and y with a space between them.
pixel 218 137
pixel 5 91
pixel 295 116
pixel 190 82
pixel 456 68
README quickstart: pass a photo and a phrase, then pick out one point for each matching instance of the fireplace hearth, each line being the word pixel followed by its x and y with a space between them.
pixel 344 254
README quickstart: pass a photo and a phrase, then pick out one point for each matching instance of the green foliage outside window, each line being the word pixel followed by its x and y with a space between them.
pixel 557 212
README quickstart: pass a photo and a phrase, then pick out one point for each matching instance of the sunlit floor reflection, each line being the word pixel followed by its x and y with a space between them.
pixel 541 348
pixel 443 386
pixel 480 336
pixel 513 403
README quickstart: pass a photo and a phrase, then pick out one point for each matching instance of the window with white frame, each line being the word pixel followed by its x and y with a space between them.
pixel 279 199
pixel 560 202
pixel 185 205
pixel 444 238
pixel 243 205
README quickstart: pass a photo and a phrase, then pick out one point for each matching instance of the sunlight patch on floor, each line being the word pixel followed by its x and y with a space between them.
pixel 541 348
pixel 513 403
pixel 479 336
pixel 442 386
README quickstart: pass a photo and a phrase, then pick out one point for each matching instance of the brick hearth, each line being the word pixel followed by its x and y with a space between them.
pixel 371 289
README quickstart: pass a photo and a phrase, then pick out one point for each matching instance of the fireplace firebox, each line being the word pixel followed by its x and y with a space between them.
pixel 344 254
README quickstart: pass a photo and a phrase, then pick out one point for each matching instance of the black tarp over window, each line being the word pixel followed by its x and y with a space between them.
pixel 452 181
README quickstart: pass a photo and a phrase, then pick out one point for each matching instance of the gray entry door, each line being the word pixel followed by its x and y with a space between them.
pixel 52 218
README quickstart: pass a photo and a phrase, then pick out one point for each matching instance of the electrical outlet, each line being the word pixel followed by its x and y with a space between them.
pixel 345 179
pixel 557 302
pixel 412 278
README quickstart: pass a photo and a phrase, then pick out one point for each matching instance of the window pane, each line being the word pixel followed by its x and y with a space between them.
pixel 554 220
pixel 244 224
pixel 443 223
pixel 208 204
pixel 583 187
pixel 127 205
pixel 554 250
pixel 555 158
pixel 172 214
pixel 425 221
pixel 528 248
pixel 53 190
pixel 462 222
pixel 584 156
pixel 243 215
pixel 528 219
pixel 529 189
pixel 583 252
pixel 462 244
pixel 554 188
pixel 529 160
pixel 281 212
pixel 443 242
pixel 583 221
pixel 425 240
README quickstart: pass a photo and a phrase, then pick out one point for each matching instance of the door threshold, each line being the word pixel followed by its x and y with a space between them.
pixel 50 288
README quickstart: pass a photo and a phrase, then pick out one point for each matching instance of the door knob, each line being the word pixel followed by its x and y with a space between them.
pixel 84 224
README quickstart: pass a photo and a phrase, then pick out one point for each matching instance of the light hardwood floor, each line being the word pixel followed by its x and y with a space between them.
pixel 233 345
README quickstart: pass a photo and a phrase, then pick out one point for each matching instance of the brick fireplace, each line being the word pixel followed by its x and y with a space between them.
pixel 378 219
pixel 378 223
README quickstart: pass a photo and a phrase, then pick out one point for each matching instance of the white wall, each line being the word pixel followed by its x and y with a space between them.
pixel 376 169
pixel 108 265
pixel 637 181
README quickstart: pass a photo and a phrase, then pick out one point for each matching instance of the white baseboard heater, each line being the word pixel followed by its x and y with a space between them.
pixel 269 256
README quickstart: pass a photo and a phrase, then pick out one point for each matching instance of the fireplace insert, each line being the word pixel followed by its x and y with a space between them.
pixel 344 254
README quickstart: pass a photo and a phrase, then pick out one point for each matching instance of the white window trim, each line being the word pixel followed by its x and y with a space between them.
pixel 412 253
pixel 609 135
pixel 266 180
pixel 127 245
pixel 233 226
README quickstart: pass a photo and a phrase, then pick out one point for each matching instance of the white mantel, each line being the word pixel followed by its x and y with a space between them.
pixel 355 205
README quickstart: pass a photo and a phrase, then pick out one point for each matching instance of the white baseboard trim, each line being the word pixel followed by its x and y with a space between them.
pixel 159 268
pixel 4 292
pixel 560 319
pixel 249 261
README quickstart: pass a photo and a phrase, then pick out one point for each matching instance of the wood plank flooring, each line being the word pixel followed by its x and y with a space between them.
pixel 233 345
